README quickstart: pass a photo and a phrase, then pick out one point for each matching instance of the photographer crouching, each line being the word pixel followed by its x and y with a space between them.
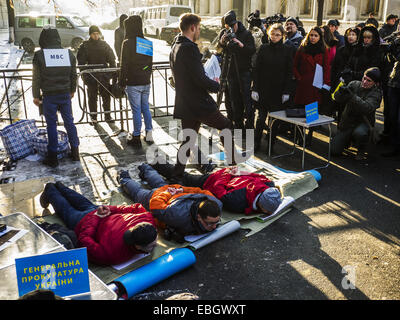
pixel 239 45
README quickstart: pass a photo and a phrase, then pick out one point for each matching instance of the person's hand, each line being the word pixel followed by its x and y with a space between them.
pixel 103 211
pixel 72 94
pixel 216 80
pixel 238 42
pixel 174 191
pixel 37 101
pixel 285 98
pixel 255 96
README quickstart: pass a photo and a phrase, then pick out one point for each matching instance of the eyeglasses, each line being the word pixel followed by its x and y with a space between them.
pixel 210 224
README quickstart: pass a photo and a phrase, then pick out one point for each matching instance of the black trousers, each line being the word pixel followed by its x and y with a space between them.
pixel 93 90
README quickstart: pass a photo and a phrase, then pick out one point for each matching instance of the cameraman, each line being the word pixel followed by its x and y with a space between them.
pixel 239 44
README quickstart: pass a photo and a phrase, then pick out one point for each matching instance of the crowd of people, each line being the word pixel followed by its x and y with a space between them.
pixel 283 68
pixel 359 69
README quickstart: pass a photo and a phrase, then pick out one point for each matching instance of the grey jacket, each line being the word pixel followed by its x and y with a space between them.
pixel 181 214
pixel 358 102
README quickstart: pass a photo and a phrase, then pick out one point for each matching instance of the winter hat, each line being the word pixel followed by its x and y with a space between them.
pixel 294 20
pixel 374 73
pixel 142 234
pixel 230 18
pixel 94 29
pixel 270 199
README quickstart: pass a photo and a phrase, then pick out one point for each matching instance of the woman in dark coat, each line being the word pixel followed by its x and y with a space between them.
pixel 343 56
pixel 273 73
pixel 367 54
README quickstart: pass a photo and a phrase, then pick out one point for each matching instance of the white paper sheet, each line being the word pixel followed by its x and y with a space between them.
pixel 318 77
pixel 125 264
pixel 12 240
pixel 218 233
pixel 212 68
pixel 286 203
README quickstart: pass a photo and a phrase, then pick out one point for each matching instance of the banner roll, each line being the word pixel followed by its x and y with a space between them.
pixel 163 267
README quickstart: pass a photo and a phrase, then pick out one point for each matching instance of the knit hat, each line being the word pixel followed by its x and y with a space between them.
pixel 94 29
pixel 270 199
pixel 333 22
pixel 374 73
pixel 294 20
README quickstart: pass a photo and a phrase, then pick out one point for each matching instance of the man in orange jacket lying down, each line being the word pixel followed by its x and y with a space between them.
pixel 184 210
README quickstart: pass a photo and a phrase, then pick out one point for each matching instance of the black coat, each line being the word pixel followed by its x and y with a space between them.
pixel 242 55
pixel 366 57
pixel 136 68
pixel 192 100
pixel 274 71
pixel 96 52
pixel 52 80
pixel 340 62
pixel 387 30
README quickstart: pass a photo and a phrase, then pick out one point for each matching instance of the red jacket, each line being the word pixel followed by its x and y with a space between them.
pixel 304 69
pixel 103 237
pixel 232 189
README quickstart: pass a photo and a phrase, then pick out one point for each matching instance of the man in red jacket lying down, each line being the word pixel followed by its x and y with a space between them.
pixel 239 192
pixel 111 234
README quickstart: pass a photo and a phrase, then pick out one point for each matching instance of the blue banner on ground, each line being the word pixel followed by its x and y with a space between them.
pixel 144 46
pixel 65 273
pixel 312 112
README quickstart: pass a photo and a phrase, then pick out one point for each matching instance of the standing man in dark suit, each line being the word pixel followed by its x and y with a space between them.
pixel 193 103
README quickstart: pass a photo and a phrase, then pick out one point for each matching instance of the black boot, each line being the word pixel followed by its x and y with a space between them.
pixel 44 201
pixel 75 154
pixel 51 159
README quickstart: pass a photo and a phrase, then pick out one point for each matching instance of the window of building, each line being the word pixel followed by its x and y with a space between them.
pixel 372 6
pixel 335 7
pixel 263 7
pixel 283 6
pixel 306 7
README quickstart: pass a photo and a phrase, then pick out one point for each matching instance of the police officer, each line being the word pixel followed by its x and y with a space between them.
pixel 97 51
pixel 54 85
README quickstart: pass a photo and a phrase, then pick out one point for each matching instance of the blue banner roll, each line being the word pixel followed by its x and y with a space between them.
pixel 163 267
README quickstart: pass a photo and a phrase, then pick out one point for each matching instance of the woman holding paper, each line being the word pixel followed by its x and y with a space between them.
pixel 312 71
pixel 136 68
pixel 311 68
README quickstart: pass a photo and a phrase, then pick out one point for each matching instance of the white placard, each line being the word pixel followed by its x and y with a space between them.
pixel 318 76
pixel 56 57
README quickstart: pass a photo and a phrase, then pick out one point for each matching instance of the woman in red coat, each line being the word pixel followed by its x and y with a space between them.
pixel 311 52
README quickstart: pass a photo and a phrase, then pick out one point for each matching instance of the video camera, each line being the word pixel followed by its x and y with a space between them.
pixel 392 43
pixel 230 34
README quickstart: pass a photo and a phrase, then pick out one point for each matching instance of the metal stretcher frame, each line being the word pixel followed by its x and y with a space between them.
pixel 301 125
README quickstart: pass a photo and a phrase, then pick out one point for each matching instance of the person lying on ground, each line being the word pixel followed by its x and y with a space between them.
pixel 181 210
pixel 240 192
pixel 111 234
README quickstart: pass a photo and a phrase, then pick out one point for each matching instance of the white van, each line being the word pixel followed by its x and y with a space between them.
pixel 154 18
pixel 73 30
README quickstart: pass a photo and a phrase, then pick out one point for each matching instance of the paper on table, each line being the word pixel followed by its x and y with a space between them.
pixel 218 233
pixel 318 76
pixel 135 258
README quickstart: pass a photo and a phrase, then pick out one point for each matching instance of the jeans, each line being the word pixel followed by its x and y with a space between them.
pixel 139 100
pixel 68 204
pixel 343 139
pixel 188 180
pixel 51 104
pixel 135 190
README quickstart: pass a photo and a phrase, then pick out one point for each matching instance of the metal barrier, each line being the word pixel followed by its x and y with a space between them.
pixel 162 94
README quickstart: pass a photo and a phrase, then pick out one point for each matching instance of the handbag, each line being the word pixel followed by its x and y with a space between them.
pixel 295 112
pixel 117 90
pixel 17 138
pixel 40 143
